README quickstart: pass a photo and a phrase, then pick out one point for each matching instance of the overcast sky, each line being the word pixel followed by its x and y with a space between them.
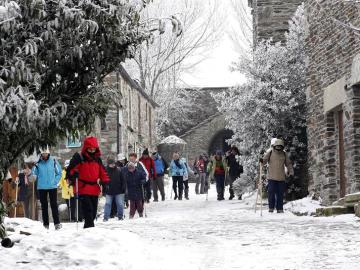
pixel 215 70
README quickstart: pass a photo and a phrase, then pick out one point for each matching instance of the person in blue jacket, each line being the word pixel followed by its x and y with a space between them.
pixel 177 172
pixel 47 172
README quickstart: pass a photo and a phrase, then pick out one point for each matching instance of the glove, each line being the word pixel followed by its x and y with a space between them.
pixel 75 175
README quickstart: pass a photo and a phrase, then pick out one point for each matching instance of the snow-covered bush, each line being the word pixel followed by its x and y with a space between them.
pixel 272 102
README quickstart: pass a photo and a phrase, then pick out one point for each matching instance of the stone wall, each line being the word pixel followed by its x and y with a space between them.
pixel 270 18
pixel 199 138
pixel 135 118
pixel 331 49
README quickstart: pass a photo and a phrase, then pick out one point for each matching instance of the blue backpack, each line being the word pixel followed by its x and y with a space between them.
pixel 159 166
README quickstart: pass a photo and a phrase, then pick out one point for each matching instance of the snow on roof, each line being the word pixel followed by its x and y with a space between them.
pixel 172 140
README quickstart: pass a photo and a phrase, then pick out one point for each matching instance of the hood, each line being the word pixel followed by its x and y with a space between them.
pixel 91 142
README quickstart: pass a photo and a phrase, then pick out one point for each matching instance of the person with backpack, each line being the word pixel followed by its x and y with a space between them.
pixel 135 178
pixel 151 169
pixel 200 168
pixel 277 160
pixel 86 172
pixel 177 172
pixel 114 190
pixel 218 170
pixel 67 192
pixel 158 183
pixel 47 172
pixel 186 178
pixel 235 169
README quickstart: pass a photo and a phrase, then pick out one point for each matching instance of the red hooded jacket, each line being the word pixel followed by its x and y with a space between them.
pixel 150 166
pixel 89 168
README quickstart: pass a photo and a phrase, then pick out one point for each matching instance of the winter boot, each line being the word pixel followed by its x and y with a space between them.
pixel 46 227
pixel 231 197
pixel 58 226
pixel 163 198
pixel 240 197
pixel 271 210
pixel 187 194
pixel 280 211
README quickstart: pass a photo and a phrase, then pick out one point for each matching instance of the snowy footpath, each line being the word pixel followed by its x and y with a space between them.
pixel 195 234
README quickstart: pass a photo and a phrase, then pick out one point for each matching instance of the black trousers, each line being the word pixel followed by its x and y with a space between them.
pixel 178 185
pixel 52 193
pixel 89 206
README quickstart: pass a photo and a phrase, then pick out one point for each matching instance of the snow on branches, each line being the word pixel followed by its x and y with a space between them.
pixel 272 102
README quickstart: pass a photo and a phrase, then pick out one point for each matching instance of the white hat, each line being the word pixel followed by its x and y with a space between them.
pixel 45 150
pixel 279 142
pixel 273 140
pixel 66 163
pixel 121 157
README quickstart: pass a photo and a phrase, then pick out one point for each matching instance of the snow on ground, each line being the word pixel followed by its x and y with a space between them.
pixel 303 207
pixel 195 234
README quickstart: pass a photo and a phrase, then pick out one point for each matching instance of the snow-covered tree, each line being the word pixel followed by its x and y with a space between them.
pixel 54 55
pixel 272 102
pixel 160 63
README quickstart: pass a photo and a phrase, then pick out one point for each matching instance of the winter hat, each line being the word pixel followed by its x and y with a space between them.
pixel 110 161
pixel 45 150
pixel 131 165
pixel 273 140
pixel 121 157
pixel 279 142
pixel 146 152
pixel 67 163
pixel 219 153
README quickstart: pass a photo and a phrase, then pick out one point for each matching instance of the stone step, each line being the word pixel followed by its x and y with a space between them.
pixel 333 211
pixel 352 199
pixel 357 209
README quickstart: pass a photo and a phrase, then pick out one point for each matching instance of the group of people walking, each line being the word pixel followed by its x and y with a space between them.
pixel 132 182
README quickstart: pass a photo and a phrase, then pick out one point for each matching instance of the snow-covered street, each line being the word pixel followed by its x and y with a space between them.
pixel 195 234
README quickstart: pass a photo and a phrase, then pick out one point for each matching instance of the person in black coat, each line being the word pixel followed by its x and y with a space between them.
pixel 114 190
pixel 135 180
pixel 235 169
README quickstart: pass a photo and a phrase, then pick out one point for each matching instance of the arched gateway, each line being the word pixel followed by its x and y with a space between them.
pixel 207 137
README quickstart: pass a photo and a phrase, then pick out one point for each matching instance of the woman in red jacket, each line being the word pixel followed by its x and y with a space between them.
pixel 87 167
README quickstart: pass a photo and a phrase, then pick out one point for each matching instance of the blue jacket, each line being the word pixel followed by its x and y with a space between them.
pixel 48 173
pixel 135 181
pixel 160 165
pixel 178 170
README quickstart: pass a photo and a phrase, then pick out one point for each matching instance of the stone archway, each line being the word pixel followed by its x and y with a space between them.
pixel 218 142
pixel 205 137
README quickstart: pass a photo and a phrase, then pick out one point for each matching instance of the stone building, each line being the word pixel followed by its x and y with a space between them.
pixel 333 93
pixel 131 127
pixel 270 18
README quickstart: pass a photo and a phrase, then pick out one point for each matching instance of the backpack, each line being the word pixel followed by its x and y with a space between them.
pixel 159 166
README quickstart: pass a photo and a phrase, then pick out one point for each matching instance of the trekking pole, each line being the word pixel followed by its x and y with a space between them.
pixel 16 194
pixel 77 203
pixel 33 201
pixel 144 202
pixel 260 187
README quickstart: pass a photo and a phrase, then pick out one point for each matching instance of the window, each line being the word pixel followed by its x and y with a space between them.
pixel 73 141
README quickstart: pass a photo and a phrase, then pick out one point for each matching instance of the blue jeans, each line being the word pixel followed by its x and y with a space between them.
pixel 220 185
pixel 276 191
pixel 119 199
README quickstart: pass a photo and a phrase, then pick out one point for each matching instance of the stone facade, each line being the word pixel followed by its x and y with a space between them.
pixel 129 128
pixel 333 99
pixel 270 18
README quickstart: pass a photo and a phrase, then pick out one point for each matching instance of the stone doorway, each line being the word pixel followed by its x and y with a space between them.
pixel 218 141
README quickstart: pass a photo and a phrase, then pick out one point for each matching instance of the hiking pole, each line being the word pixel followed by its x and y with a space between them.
pixel 144 202
pixel 77 202
pixel 260 187
pixel 16 194
pixel 33 201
